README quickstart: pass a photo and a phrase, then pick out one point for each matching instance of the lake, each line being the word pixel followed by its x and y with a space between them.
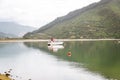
pixel 74 60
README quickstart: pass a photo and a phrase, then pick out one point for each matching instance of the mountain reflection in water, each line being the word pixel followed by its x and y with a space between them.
pixel 35 62
pixel 102 57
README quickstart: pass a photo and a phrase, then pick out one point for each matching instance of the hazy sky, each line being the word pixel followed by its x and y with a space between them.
pixel 38 12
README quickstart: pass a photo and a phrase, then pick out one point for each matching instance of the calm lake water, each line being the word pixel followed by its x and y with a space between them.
pixel 88 60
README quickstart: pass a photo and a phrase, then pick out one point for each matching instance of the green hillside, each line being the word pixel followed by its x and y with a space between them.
pixel 98 20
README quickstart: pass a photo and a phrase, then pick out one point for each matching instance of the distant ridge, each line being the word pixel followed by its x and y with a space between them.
pixel 14 28
pixel 4 35
pixel 98 20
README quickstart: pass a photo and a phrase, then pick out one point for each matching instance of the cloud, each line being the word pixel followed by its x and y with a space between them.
pixel 38 12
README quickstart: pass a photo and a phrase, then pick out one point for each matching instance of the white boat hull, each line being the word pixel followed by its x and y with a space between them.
pixel 55 43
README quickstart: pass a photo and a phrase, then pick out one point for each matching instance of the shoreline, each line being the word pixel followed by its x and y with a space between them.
pixel 46 40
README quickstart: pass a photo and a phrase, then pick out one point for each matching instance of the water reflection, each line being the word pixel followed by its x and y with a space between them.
pixel 100 57
pixel 27 62
pixel 55 48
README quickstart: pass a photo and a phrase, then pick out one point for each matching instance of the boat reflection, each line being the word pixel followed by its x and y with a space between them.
pixel 55 48
pixel 55 45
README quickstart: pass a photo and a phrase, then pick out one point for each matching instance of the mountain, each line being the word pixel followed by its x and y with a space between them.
pixel 13 28
pixel 4 35
pixel 98 20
